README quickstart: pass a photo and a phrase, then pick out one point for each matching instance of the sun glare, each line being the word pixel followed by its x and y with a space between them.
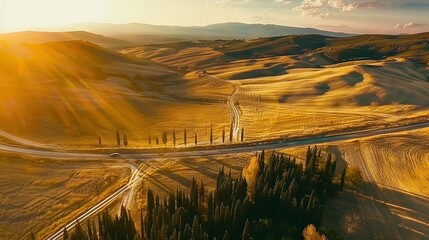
pixel 19 14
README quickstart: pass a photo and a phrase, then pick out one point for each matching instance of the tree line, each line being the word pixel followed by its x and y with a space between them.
pixel 165 138
pixel 274 198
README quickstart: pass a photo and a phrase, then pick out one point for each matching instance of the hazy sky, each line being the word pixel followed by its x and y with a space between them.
pixel 358 16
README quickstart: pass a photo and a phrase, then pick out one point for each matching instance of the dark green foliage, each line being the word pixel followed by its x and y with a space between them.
pixel 246 231
pixel 287 197
pixel 174 137
pixel 230 133
pixel 118 227
pixel 211 134
pixel 125 140
pixel 343 177
pixel 223 135
pixel 150 140
pixel 65 234
pixel 157 140
pixel 164 138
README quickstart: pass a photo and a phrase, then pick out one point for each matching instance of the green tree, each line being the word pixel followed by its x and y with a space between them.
pixel 150 200
pixel 164 138
pixel 196 139
pixel 150 140
pixel 230 133
pixel 246 232
pixel 223 135
pixel 99 140
pixel 125 140
pixel 65 234
pixel 157 140
pixel 118 139
pixel 184 137
pixel 174 137
pixel 211 134
pixel 343 177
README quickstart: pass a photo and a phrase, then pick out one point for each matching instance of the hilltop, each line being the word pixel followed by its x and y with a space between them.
pixel 34 37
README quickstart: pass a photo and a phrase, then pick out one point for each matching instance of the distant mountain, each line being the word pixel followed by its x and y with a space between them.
pixel 44 37
pixel 223 30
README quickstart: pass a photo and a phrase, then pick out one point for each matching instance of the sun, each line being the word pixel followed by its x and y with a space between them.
pixel 22 14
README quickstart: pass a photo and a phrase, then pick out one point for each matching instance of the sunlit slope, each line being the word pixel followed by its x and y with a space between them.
pixel 71 92
pixel 45 37
pixel 361 83
pixel 290 97
pixel 309 84
pixel 174 55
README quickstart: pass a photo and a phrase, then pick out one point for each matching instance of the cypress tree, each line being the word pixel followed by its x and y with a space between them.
pixel 343 177
pixel 150 200
pixel 242 134
pixel 125 140
pixel 150 140
pixel 174 137
pixel 89 229
pixel 223 135
pixel 226 235
pixel 164 138
pixel 65 234
pixel 118 139
pixel 328 164
pixel 99 140
pixel 308 158
pixel 210 208
pixel 196 229
pixel 211 134
pixel 246 232
pixel 184 137
pixel 196 139
pixel 231 132
pixel 238 216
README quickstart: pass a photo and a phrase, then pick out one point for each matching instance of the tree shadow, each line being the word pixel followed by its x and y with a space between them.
pixel 378 212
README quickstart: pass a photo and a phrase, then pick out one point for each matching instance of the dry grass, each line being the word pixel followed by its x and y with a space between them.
pixel 40 195
pixel 392 201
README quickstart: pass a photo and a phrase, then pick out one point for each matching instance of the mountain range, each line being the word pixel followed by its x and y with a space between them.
pixel 232 30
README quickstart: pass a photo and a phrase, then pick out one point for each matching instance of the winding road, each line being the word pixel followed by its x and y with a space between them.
pixel 232 149
pixel 235 114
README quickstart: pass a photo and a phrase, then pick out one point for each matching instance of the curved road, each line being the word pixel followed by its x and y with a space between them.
pixel 235 114
pixel 233 149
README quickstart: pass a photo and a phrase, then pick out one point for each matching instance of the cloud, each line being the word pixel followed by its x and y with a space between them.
pixel 323 8
pixel 225 3
pixel 282 1
pixel 263 16
pixel 332 26
pixel 409 25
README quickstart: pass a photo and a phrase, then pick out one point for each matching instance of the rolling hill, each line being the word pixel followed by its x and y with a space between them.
pixel 332 50
pixel 232 30
pixel 44 37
